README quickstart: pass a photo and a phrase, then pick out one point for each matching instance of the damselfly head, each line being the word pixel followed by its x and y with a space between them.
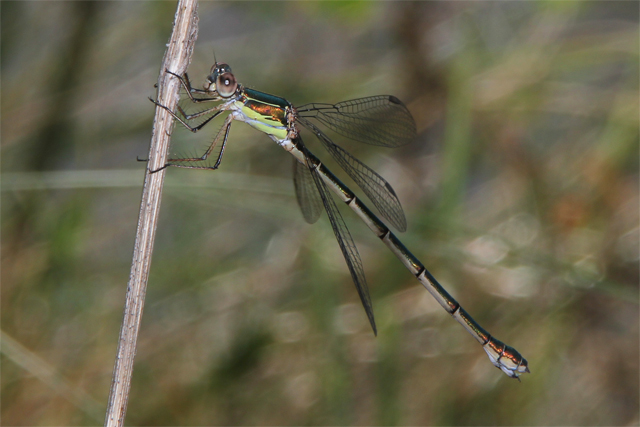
pixel 221 80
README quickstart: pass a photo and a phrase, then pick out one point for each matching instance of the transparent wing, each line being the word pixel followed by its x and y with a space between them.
pixel 374 186
pixel 377 120
pixel 345 241
pixel 307 195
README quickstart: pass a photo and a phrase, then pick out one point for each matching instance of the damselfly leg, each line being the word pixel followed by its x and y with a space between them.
pixel 186 84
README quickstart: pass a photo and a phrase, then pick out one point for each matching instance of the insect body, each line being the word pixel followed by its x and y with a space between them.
pixel 378 120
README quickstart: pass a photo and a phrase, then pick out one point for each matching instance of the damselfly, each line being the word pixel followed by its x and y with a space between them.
pixel 378 120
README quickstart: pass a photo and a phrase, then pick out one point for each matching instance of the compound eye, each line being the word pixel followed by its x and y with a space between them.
pixel 226 85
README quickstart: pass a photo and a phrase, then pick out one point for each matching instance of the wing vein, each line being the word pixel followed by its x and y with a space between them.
pixel 343 236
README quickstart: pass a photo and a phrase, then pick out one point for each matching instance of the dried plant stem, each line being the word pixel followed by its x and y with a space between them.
pixel 176 59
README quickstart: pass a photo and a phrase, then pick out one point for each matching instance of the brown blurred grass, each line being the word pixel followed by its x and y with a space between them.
pixel 521 195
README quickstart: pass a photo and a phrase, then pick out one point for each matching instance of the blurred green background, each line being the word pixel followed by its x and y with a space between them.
pixel 521 195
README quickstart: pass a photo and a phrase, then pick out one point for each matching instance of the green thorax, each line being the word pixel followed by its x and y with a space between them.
pixel 266 113
pixel 265 98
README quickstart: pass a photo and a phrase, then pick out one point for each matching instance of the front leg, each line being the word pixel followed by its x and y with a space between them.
pixel 193 116
pixel 186 84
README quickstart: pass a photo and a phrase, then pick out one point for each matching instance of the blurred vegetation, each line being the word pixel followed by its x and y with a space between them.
pixel 521 196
